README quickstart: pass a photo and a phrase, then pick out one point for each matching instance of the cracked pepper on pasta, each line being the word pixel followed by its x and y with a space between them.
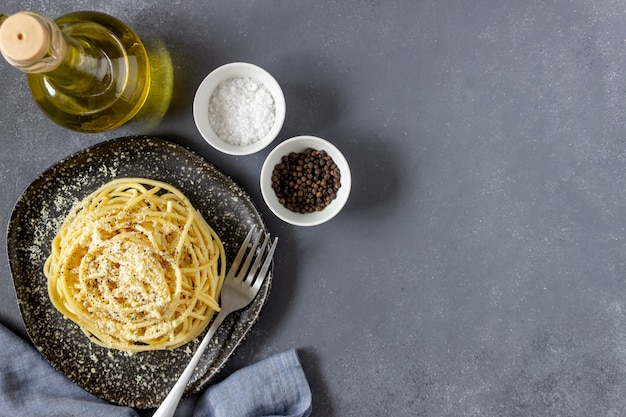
pixel 136 267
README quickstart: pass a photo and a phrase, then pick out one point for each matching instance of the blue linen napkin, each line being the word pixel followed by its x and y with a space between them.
pixel 30 386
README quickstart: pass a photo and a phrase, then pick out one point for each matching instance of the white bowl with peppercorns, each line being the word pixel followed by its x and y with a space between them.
pixel 305 181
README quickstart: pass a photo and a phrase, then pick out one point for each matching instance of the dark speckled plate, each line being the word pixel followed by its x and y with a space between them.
pixel 141 380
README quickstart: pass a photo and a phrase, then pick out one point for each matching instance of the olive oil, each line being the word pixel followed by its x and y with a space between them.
pixel 94 74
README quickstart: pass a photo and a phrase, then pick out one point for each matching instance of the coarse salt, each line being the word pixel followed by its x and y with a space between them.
pixel 241 111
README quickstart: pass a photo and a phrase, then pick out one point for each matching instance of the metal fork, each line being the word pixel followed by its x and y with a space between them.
pixel 238 290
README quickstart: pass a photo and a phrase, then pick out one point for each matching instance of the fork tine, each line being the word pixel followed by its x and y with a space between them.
pixel 242 250
pixel 243 271
pixel 255 266
pixel 263 272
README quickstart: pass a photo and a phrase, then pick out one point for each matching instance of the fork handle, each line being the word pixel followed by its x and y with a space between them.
pixel 169 405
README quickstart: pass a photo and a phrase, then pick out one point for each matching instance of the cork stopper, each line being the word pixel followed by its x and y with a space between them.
pixel 24 38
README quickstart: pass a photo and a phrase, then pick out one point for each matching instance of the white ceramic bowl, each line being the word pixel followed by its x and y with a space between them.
pixel 300 144
pixel 203 97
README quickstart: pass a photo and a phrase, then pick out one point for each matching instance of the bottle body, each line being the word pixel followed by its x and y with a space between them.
pixel 101 77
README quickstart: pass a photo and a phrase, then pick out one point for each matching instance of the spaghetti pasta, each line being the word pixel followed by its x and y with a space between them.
pixel 136 267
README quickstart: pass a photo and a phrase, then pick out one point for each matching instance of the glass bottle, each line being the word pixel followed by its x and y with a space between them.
pixel 87 71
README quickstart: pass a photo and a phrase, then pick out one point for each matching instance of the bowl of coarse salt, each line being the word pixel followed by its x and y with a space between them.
pixel 239 108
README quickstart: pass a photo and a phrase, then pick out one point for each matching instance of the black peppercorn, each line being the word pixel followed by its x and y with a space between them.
pixel 306 182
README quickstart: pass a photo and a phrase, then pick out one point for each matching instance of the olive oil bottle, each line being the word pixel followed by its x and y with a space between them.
pixel 87 71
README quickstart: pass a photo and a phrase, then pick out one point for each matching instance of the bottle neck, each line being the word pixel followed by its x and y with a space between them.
pixel 35 44
pixel 83 67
